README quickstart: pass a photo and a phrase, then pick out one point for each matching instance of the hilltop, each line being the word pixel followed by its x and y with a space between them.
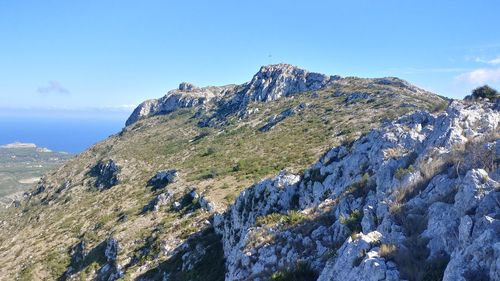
pixel 194 172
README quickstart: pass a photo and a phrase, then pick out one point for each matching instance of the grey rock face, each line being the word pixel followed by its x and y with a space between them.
pixel 360 189
pixel 206 205
pixel 270 83
pixel 275 81
pixel 112 249
pixel 186 96
pixel 158 202
pixel 359 260
pixel 162 179
pixel 111 270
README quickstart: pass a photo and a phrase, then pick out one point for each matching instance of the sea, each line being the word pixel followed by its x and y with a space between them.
pixel 67 134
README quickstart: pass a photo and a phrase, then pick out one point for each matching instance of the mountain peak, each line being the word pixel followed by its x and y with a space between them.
pixel 276 80
pixel 282 67
pixel 187 87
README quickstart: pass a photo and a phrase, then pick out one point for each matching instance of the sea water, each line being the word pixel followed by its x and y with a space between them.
pixel 68 134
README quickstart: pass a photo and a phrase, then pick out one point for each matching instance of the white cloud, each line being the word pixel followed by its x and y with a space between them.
pixel 480 76
pixel 494 61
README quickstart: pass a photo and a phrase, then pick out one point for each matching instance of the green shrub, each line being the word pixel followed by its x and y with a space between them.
pixel 361 188
pixel 353 221
pixel 485 92
pixel 289 219
pixel 401 172
pixel 302 272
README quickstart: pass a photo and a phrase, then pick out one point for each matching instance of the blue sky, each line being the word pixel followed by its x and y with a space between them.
pixel 111 55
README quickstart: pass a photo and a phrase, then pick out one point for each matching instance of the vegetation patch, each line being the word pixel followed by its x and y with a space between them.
pixel 353 221
pixel 301 272
pixel 291 218
pixel 387 251
pixel 402 172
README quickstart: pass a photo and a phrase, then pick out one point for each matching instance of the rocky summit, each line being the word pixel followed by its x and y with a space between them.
pixel 294 175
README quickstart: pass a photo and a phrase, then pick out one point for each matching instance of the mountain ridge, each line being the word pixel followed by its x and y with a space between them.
pixel 270 83
pixel 144 203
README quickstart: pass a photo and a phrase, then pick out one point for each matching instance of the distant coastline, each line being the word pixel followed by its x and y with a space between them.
pixel 72 135
pixel 19 145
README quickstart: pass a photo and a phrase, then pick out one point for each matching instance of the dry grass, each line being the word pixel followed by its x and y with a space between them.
pixel 387 251
pixel 476 154
pixel 394 152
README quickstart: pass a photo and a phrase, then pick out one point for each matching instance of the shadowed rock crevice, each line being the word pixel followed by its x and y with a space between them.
pixel 106 174
pixel 100 261
pixel 200 258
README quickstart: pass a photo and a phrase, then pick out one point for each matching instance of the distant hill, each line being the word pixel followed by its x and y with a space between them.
pixel 22 165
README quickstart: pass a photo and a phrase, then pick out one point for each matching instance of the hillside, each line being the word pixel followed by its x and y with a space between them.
pixel 143 203
pixel 21 165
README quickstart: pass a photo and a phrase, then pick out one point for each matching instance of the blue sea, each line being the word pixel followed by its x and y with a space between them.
pixel 68 134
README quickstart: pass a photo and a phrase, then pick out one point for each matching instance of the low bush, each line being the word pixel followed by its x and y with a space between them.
pixel 289 219
pixel 387 251
pixel 301 272
pixel 401 172
pixel 353 221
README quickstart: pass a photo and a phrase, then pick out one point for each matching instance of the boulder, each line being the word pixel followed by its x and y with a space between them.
pixel 162 178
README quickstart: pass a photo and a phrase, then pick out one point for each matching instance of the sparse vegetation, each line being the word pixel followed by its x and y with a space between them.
pixel 353 221
pixel 402 172
pixel 301 272
pixel 477 153
pixel 291 218
pixel 361 188
pixel 387 251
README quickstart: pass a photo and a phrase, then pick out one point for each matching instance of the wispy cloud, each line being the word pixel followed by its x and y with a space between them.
pixel 480 76
pixel 395 71
pixel 54 87
pixel 436 70
pixel 494 61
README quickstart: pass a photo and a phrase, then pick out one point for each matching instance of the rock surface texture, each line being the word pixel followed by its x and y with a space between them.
pixel 408 193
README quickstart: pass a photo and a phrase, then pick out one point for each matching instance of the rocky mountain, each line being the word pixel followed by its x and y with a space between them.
pixel 272 82
pixel 224 183
pixel 417 199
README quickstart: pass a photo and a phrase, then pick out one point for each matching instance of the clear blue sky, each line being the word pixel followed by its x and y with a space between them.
pixel 108 55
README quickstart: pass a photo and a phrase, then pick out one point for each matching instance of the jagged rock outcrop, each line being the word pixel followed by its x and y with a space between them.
pixel 162 179
pixel 105 254
pixel 270 83
pixel 275 81
pixel 359 259
pixel 206 205
pixel 106 174
pixel 111 270
pixel 158 202
pixel 187 95
pixel 416 186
